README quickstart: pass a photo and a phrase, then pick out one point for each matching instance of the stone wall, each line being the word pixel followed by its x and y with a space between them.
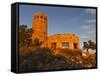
pixel 58 39
pixel 39 27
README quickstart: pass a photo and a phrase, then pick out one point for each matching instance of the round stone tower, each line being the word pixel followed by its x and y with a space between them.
pixel 39 26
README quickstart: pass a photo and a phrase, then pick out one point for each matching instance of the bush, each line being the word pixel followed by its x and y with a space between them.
pixel 43 59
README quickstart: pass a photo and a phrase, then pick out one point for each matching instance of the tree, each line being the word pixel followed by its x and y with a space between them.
pixel 25 35
pixel 29 32
pixel 85 46
pixel 92 45
pixel 89 45
pixel 36 42
pixel 22 34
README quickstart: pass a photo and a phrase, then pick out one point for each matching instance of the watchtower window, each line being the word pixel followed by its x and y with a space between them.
pixel 41 17
pixel 75 45
pixel 37 16
pixel 65 44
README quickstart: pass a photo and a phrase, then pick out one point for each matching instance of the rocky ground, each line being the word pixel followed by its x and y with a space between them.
pixel 41 59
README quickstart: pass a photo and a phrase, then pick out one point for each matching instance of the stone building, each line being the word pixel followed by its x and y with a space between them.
pixel 69 41
pixel 39 26
pixel 64 40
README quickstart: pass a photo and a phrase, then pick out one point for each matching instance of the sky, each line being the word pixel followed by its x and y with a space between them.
pixel 80 21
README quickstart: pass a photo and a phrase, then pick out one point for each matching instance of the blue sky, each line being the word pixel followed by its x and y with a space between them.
pixel 81 21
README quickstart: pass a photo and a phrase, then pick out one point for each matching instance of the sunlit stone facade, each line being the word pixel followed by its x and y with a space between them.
pixel 64 40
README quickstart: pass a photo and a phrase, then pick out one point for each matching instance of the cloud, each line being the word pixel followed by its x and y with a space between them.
pixel 89 24
pixel 85 27
pixel 91 32
pixel 88 27
pixel 77 18
pixel 87 36
pixel 91 11
pixel 88 31
pixel 91 21
pixel 83 36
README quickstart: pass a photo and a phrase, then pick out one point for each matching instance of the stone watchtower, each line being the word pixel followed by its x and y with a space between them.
pixel 39 27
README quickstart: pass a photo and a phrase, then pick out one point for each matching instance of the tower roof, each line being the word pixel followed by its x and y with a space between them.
pixel 40 13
